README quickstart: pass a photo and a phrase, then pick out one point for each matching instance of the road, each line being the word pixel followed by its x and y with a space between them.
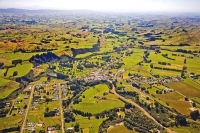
pixel 136 105
pixel 28 106
pixel 61 108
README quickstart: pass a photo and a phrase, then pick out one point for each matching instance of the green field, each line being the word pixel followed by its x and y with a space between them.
pixel 97 105
pixel 86 125
pixel 21 69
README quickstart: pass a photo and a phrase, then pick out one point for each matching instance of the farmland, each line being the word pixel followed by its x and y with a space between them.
pixel 65 71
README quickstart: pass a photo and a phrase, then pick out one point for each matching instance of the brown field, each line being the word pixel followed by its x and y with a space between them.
pixel 184 89
pixel 176 101
pixel 120 129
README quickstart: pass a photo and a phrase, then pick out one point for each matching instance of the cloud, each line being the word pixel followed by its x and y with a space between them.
pixel 120 5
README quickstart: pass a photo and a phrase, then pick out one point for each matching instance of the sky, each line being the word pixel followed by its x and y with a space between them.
pixel 107 5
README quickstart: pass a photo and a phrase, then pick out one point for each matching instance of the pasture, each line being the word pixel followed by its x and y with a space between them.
pixel 21 69
pixel 86 125
pixel 98 99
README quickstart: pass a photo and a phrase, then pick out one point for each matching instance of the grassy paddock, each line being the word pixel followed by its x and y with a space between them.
pixel 97 105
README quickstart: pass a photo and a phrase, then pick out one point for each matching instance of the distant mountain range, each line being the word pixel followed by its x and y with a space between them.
pixel 19 11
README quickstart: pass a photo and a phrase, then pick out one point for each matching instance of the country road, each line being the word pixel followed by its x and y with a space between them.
pixel 61 109
pixel 28 106
pixel 136 105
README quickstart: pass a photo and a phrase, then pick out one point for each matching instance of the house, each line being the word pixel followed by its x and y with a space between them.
pixel 8 104
pixel 70 130
pixel 167 90
pixel 154 47
pixel 50 128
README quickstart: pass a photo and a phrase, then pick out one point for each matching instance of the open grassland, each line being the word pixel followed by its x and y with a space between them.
pixel 100 103
pixel 8 88
pixel 86 125
pixel 184 89
pixel 120 129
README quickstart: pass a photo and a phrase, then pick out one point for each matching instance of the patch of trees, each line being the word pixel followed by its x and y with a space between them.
pixel 2 104
pixel 37 49
pixel 11 129
pixel 89 65
pixel 136 85
pixel 1 64
pixel 62 76
pixel 46 41
pixel 165 68
pixel 134 119
pixel 184 51
pixel 50 114
pixel 110 114
pixel 107 30
pixel 127 93
pixel 15 73
pixel 164 63
pixel 80 67
pixel 29 22
pixel 113 119
pixel 106 58
pixel 65 103
pixel 119 49
pixel 69 117
pixel 85 114
pixel 15 62
pixel 195 115
pixel 117 65
pixel 166 56
pixel 180 120
pixel 3 112
pixel 62 39
pixel 85 27
pixel 183 71
pixel 43 58
pixel 69 65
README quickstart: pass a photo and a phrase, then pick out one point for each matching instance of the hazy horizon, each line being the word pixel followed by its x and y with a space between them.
pixel 107 5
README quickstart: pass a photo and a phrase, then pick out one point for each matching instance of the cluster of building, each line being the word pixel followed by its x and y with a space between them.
pixel 31 126
pixel 94 76
pixel 148 80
